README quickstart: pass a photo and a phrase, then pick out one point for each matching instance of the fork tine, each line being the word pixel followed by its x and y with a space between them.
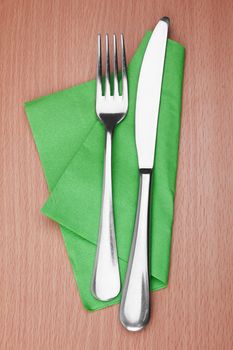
pixel 124 69
pixel 107 76
pixel 116 87
pixel 99 68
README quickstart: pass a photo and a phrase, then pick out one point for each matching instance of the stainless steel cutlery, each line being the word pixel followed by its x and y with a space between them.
pixel 135 304
pixel 110 109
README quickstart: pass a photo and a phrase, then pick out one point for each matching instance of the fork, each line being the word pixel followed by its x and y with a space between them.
pixel 110 109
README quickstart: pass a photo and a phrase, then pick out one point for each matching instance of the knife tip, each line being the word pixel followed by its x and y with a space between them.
pixel 166 19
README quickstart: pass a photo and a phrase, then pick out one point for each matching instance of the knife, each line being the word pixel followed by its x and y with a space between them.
pixel 135 302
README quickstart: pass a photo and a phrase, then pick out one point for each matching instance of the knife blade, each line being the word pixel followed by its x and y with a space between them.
pixel 135 302
pixel 148 94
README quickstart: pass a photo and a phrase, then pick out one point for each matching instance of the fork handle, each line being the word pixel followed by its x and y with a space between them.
pixel 135 302
pixel 106 276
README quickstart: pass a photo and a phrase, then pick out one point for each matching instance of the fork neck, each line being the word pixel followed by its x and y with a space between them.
pixel 109 129
pixel 111 120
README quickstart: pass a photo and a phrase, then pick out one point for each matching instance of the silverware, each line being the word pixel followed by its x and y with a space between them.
pixel 135 303
pixel 110 110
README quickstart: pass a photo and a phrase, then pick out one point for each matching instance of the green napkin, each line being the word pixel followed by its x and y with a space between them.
pixel 70 142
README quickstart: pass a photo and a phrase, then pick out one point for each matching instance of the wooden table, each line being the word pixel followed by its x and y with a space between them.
pixel 49 45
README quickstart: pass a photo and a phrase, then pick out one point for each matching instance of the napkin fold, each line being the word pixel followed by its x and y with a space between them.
pixel 70 141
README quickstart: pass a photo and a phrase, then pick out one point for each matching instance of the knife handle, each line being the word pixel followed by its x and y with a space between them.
pixel 135 302
pixel 106 276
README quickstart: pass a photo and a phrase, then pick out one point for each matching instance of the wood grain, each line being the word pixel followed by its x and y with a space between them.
pixel 49 45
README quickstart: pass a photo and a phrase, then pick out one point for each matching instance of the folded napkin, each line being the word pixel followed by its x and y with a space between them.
pixel 70 142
